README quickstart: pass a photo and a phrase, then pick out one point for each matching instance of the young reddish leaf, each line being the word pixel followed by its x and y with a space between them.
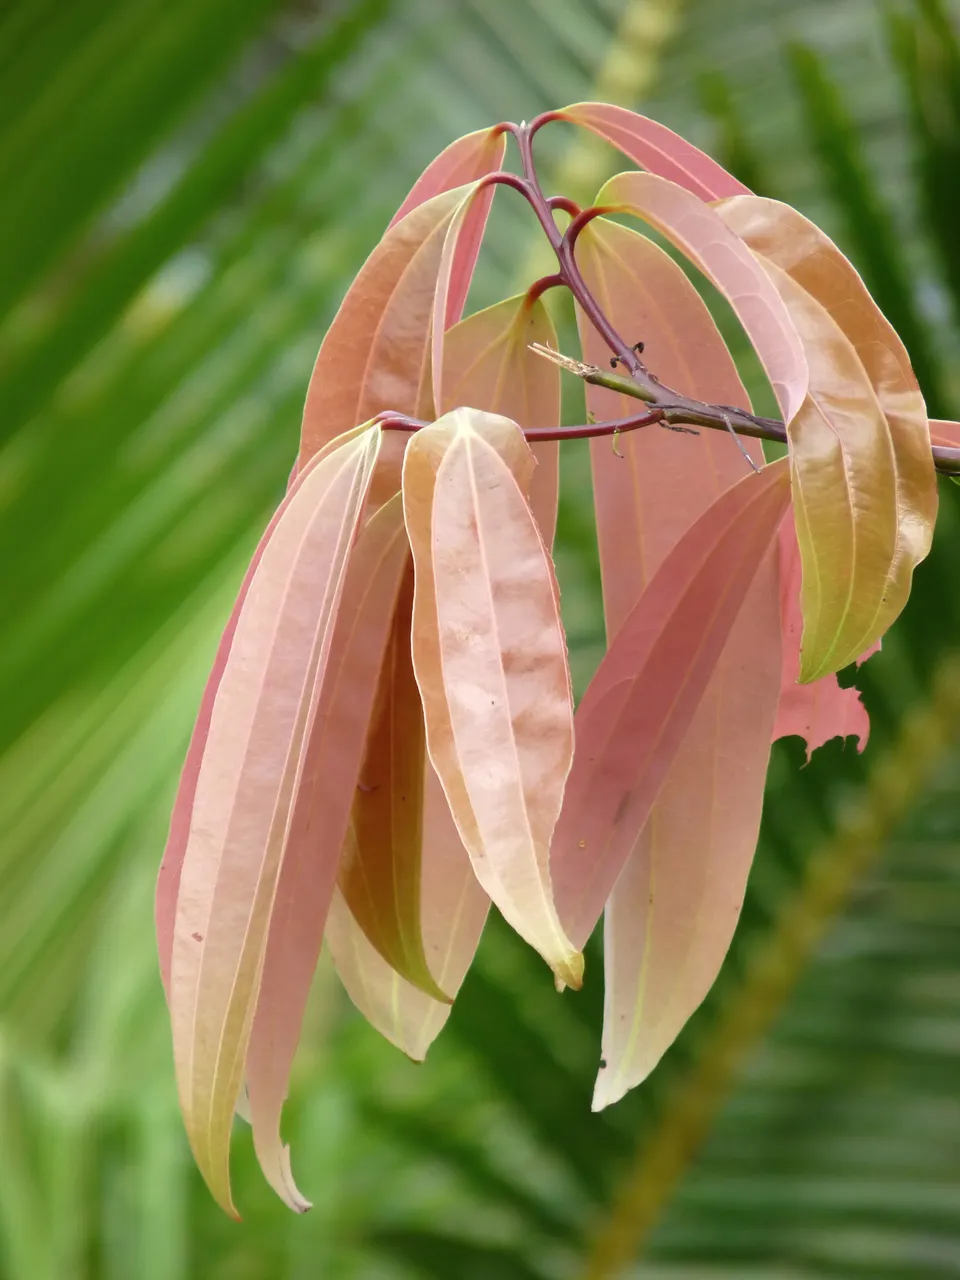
pixel 655 147
pixel 458 165
pixel 672 912
pixel 646 691
pixel 374 352
pixel 700 233
pixel 327 777
pixel 820 710
pixel 460 249
pixel 488 364
pixel 859 518
pixel 380 869
pixel 168 879
pixel 491 662
pixel 246 785
pixel 945 433
pixel 453 909
pixel 647 497
pixel 778 234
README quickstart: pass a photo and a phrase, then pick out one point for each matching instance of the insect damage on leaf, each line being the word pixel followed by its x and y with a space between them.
pixel 387 741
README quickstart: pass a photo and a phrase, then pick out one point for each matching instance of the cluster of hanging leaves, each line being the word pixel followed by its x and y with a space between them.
pixel 388 742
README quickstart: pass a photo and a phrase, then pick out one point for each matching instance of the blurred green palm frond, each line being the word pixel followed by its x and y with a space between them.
pixel 189 188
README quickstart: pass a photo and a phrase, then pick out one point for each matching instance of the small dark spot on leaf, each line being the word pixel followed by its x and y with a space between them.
pixel 603 1063
pixel 197 937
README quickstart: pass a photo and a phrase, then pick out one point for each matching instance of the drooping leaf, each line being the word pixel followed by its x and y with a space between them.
pixel 376 350
pixel 491 663
pixel 327 776
pixel 655 147
pixel 860 498
pixel 701 234
pixel 171 865
pixel 460 248
pixel 781 235
pixel 380 871
pixel 646 498
pixel 247 782
pixel 646 691
pixel 672 912
pixel 488 364
pixel 671 917
pixel 825 707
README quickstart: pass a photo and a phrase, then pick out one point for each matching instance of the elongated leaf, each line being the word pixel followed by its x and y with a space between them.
pixel 671 917
pixel 246 785
pixel 380 871
pixel 460 248
pixel 648 497
pixel 699 232
pixel 374 352
pixel 862 513
pixel 460 165
pixel 782 236
pixel 490 658
pixel 642 700
pixel 672 912
pixel 326 783
pixel 655 147
pixel 488 364
pixel 171 866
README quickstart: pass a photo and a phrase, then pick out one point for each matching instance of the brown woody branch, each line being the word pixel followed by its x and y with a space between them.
pixel 676 409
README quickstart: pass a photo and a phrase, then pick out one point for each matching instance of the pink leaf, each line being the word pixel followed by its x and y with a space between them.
pixel 460 249
pixel 375 352
pixel 645 694
pixel 490 659
pixel 488 364
pixel 675 906
pixel 168 879
pixel 672 912
pixel 701 234
pixel 458 165
pixel 327 779
pixel 655 147
pixel 646 499
pixel 245 787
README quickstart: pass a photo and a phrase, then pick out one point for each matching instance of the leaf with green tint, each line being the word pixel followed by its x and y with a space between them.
pixel 488 364
pixel 780 235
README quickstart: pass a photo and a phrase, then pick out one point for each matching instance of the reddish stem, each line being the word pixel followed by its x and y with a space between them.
pixel 582 431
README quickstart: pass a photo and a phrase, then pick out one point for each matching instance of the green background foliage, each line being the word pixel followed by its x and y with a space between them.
pixel 188 189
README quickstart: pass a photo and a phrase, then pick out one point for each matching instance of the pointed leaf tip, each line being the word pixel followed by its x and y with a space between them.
pixel 490 659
